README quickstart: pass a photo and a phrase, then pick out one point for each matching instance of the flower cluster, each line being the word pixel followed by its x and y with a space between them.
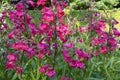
pixel 11 59
pixel 52 38
pixel 81 54
pixel 47 70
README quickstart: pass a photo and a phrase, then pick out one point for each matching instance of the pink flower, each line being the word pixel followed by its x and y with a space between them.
pixel 20 45
pixel 50 72
pixel 81 54
pixel 83 29
pixel 42 69
pixel 47 14
pixel 76 63
pixel 18 70
pixel 28 20
pixel 69 45
pixel 102 38
pixel 10 65
pixel 95 41
pixel 65 55
pixel 63 4
pixel 55 45
pixel 42 45
pixel 41 53
pixel 116 32
pixel 80 40
pixel 28 55
pixel 41 2
pixel 31 3
pixel 112 42
pixel 20 6
pixel 63 77
pixel 60 12
pixel 32 51
pixel 11 57
pixel 10 35
pixel 96 52
pixel 62 38
pixel 63 29
pixel 101 24
pixel 32 28
pixel 96 14
pixel 42 27
pixel 4 25
pixel 103 49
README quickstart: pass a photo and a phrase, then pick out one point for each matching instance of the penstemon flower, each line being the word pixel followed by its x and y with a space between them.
pixel 53 41
pixel 41 2
pixel 18 70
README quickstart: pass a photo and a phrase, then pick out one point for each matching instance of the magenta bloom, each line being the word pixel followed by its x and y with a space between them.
pixel 76 63
pixel 116 32
pixel 63 4
pixel 65 55
pixel 20 45
pixel 10 65
pixel 41 2
pixel 32 28
pixel 50 72
pixel 42 45
pixel 31 3
pixel 63 77
pixel 47 14
pixel 43 27
pixel 10 35
pixel 95 41
pixel 81 54
pixel 11 57
pixel 101 24
pixel 28 55
pixel 96 52
pixel 20 6
pixel 41 53
pixel 62 38
pixel 47 70
pixel 83 29
pixel 18 70
pixel 103 49
pixel 69 45
pixel 63 29
pixel 42 69
pixel 60 12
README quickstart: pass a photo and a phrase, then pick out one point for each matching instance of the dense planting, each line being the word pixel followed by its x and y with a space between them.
pixel 56 48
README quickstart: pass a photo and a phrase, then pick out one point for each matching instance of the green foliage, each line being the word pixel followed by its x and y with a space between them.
pixel 107 4
pixel 100 4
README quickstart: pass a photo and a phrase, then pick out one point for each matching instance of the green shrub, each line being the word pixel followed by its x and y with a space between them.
pixel 100 4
